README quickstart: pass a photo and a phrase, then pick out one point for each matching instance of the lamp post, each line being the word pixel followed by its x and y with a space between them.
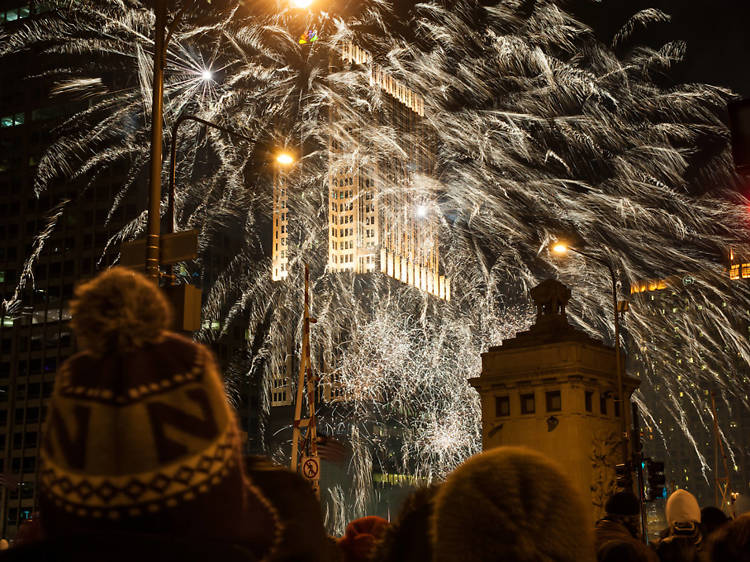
pixel 561 249
pixel 163 33
pixel 173 158
pixel 157 110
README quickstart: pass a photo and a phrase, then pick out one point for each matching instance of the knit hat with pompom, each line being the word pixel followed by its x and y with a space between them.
pixel 139 435
pixel 510 503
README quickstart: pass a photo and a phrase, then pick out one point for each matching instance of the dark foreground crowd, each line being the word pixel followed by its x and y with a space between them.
pixel 141 461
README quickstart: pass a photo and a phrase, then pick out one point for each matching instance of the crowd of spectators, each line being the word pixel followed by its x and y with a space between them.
pixel 141 461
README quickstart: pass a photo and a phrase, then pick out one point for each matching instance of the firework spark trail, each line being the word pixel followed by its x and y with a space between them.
pixel 11 306
pixel 543 132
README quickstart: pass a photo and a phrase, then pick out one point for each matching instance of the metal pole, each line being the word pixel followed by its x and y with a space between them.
pixel 624 412
pixel 638 458
pixel 157 108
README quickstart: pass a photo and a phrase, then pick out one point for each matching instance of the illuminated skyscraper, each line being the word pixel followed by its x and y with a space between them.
pixel 377 212
pixel 280 241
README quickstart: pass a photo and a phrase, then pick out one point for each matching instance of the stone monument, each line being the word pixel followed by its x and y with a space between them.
pixel 553 389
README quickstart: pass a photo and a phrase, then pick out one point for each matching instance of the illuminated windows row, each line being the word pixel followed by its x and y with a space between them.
pixel 12 120
pixel 737 272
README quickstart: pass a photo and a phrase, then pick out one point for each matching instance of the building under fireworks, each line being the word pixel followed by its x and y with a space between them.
pixel 707 456
pixel 378 217
pixel 382 220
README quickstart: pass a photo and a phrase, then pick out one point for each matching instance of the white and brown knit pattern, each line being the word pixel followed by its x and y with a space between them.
pixel 147 441
pixel 113 497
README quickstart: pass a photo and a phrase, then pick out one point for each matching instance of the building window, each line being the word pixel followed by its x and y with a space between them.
pixel 527 404
pixel 554 401
pixel 603 405
pixel 502 406
pixel 746 270
pixel 589 401
pixel 29 464
pixel 734 271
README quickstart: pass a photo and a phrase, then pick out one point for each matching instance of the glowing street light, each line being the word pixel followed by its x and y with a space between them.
pixel 421 211
pixel 561 249
pixel 207 75
pixel 285 159
pixel 302 3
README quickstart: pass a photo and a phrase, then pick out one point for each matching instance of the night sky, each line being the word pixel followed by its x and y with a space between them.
pixel 717 34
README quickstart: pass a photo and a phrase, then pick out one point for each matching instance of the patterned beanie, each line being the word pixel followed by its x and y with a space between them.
pixel 510 504
pixel 139 435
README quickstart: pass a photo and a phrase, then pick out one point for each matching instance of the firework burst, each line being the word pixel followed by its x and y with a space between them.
pixel 542 133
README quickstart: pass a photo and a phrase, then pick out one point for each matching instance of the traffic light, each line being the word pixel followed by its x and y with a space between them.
pixel 624 476
pixel 656 480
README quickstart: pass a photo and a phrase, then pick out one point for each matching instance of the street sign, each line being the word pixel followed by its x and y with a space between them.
pixel 310 468
pixel 173 248
pixel 186 304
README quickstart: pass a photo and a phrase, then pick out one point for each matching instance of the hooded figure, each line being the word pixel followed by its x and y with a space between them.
pixel 621 524
pixel 682 507
pixel 510 504
pixel 683 536
pixel 139 437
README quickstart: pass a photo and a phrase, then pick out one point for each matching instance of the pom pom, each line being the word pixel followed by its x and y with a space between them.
pixel 119 311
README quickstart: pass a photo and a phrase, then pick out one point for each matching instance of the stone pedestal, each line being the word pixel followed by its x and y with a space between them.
pixel 553 389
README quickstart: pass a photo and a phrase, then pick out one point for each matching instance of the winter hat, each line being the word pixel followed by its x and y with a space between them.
pixel 139 435
pixel 408 538
pixel 358 542
pixel 712 518
pixel 623 503
pixel 304 535
pixel 731 543
pixel 510 504
pixel 682 507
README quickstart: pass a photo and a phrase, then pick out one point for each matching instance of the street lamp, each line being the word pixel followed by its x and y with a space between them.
pixel 207 75
pixel 561 249
pixel 302 3
pixel 285 159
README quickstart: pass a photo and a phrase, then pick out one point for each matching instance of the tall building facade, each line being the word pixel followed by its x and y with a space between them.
pixel 379 219
pixel 690 450
pixel 67 227
pixel 280 217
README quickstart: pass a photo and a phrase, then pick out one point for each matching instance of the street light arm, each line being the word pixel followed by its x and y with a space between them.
pixel 173 158
pixel 592 257
pixel 173 24
pixel 624 413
